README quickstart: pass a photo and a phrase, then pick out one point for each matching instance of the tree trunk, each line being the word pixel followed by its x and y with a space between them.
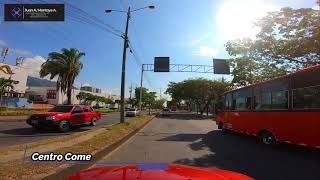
pixel 207 111
pixel 69 94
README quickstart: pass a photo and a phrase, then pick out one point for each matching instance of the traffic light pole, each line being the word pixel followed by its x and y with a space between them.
pixel 123 73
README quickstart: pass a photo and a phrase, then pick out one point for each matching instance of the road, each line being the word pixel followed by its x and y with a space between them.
pixel 13 133
pixel 185 139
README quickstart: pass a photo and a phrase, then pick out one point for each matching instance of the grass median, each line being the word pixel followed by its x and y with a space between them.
pixel 105 110
pixel 4 111
pixel 16 170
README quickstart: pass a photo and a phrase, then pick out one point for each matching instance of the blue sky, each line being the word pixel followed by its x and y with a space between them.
pixel 187 31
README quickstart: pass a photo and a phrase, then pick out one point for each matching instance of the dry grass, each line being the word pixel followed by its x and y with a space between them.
pixel 15 169
pixel 19 111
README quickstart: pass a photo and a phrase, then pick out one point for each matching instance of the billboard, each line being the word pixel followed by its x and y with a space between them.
pixel 161 64
pixel 221 66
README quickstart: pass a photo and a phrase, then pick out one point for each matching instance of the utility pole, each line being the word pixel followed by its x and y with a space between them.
pixel 140 98
pixel 160 93
pixel 125 46
pixel 123 72
pixel 5 52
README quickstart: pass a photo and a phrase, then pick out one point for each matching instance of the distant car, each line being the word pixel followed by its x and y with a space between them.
pixel 132 112
pixel 165 112
pixel 63 117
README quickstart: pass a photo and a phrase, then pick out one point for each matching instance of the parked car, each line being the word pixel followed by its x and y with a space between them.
pixel 165 112
pixel 63 117
pixel 132 112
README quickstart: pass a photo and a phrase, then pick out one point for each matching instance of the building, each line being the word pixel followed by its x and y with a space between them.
pixel 44 91
pixel 18 75
pixel 29 91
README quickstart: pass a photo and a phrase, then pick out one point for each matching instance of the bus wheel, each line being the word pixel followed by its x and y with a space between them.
pixel 268 138
pixel 223 129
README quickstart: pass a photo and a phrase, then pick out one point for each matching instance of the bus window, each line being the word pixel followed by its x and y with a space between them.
pixel 306 98
pixel 248 103
pixel 228 101
pixel 263 101
pixel 242 99
pixel 280 100
pixel 221 103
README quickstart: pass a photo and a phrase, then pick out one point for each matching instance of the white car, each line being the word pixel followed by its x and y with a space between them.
pixel 165 112
pixel 132 112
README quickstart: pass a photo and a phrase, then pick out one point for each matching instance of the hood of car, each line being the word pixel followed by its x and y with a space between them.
pixel 157 172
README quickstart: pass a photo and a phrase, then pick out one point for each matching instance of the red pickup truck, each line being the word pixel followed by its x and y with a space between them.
pixel 64 116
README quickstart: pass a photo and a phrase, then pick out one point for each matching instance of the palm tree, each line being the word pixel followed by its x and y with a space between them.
pixel 66 66
pixel 4 85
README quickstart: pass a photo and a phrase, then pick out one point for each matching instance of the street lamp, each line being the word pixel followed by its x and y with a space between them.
pixel 125 45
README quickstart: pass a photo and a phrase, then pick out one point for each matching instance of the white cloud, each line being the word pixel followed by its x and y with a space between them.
pixel 2 43
pixel 206 51
pixel 316 7
pixel 20 52
pixel 33 65
pixel 15 51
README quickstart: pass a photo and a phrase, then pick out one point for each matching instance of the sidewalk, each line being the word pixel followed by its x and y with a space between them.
pixel 13 118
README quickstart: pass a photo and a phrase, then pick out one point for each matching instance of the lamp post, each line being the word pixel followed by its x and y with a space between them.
pixel 125 46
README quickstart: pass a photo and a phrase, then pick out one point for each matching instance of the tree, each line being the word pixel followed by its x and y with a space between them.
pixel 159 103
pixel 4 85
pixel 66 66
pixel 148 98
pixel 81 97
pixel 288 40
pixel 86 98
pixel 201 92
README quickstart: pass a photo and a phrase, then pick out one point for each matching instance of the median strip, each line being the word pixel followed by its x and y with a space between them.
pixel 110 136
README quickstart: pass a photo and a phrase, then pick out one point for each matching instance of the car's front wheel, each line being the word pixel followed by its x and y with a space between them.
pixel 93 121
pixel 64 126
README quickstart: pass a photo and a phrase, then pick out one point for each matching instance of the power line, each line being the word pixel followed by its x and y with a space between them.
pixel 138 61
pixel 93 17
pixel 81 16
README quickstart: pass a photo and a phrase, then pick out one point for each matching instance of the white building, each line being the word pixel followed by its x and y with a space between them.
pixel 40 91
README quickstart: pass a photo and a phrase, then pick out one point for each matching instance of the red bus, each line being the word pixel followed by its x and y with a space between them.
pixel 285 109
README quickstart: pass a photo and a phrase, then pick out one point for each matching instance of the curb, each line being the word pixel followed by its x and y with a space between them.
pixel 70 170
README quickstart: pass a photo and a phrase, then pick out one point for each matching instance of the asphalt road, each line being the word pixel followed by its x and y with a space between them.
pixel 13 133
pixel 185 139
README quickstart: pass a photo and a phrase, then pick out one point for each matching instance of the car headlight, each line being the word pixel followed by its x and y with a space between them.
pixel 49 118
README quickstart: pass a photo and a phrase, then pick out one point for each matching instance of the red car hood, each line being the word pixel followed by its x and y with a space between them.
pixel 172 172
pixel 47 114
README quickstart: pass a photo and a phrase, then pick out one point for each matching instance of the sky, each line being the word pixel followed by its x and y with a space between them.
pixel 187 31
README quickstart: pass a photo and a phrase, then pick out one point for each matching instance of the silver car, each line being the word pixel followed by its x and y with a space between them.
pixel 132 112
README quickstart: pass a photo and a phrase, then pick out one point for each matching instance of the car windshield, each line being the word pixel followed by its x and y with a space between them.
pixel 132 109
pixel 166 109
pixel 61 109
